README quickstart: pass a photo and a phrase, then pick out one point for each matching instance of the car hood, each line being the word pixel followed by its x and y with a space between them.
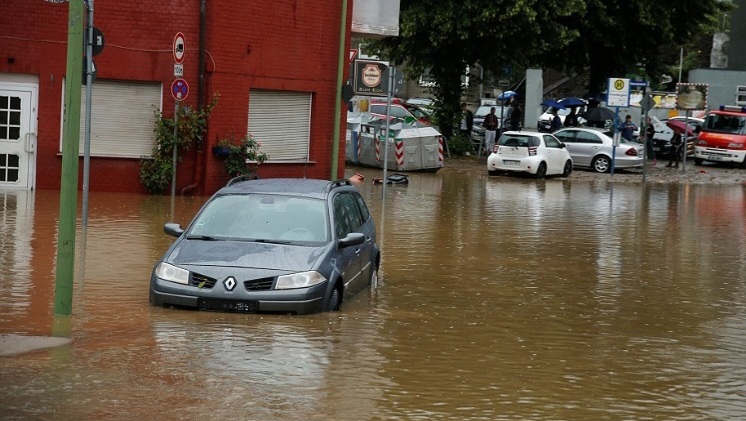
pixel 244 254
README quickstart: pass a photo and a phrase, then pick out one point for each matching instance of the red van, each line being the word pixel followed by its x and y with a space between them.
pixel 723 136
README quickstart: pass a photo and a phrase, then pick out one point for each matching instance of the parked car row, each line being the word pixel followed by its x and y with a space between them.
pixel 542 154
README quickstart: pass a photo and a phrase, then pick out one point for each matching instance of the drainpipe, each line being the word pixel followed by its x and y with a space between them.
pixel 199 156
pixel 338 97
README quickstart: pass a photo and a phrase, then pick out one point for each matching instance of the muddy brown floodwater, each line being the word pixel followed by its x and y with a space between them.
pixel 500 298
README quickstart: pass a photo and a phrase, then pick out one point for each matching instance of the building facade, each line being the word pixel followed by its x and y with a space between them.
pixel 273 66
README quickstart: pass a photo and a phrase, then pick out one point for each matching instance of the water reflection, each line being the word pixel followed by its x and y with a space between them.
pixel 500 299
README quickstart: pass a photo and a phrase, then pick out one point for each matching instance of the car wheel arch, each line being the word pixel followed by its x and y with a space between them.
pixel 599 157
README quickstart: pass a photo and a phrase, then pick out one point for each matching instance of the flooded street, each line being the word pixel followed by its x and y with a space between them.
pixel 499 298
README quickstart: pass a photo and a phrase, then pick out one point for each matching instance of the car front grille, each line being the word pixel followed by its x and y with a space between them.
pixel 262 284
pixel 201 281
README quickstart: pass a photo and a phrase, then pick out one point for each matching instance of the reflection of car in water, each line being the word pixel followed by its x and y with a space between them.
pixel 723 137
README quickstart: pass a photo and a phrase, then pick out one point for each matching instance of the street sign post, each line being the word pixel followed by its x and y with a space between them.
pixel 179 48
pixel 179 89
pixel 618 93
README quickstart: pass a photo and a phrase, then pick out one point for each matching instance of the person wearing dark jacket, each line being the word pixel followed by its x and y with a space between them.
pixel 467 122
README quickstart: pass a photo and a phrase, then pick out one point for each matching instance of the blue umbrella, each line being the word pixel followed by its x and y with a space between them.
pixel 572 102
pixel 506 95
pixel 554 104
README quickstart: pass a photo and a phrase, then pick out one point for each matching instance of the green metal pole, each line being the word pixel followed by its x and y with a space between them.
pixel 338 97
pixel 63 287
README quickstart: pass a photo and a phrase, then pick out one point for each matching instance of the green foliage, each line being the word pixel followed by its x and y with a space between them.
pixel 157 170
pixel 459 144
pixel 244 156
pixel 598 38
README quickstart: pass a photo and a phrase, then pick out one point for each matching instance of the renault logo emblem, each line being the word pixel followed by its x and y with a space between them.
pixel 229 283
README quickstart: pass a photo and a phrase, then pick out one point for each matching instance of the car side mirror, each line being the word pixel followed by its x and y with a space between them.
pixel 352 239
pixel 173 229
pixel 562 145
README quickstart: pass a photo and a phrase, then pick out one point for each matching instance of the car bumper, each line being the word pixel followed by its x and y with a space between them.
pixel 628 162
pixel 217 298
pixel 508 164
pixel 719 155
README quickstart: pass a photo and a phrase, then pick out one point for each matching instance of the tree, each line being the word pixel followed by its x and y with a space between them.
pixel 444 36
pixel 603 38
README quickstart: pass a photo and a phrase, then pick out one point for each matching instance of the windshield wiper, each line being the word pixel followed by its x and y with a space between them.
pixel 264 240
pixel 201 237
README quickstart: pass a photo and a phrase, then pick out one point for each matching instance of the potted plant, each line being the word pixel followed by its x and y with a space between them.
pixel 243 157
pixel 222 149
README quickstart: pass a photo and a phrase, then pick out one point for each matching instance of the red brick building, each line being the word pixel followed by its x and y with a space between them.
pixel 273 64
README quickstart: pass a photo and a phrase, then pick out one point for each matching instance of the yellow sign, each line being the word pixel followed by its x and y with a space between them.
pixel 619 84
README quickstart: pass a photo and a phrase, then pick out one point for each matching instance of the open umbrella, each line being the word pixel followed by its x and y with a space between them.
pixel 680 127
pixel 572 102
pixel 506 95
pixel 598 114
pixel 554 104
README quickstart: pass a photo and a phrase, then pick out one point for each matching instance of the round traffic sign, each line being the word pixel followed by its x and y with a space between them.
pixel 179 89
pixel 179 47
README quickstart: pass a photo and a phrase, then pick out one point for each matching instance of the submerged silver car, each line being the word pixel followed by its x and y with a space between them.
pixel 272 245
pixel 593 148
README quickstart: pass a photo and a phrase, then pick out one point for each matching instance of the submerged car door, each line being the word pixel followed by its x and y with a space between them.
pixel 347 220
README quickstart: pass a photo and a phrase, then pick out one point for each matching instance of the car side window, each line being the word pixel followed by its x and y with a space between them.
pixel 398 112
pixel 346 215
pixel 567 136
pixel 551 141
pixel 364 213
pixel 586 137
pixel 378 109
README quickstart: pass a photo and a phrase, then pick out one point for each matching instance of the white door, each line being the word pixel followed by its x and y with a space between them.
pixel 17 136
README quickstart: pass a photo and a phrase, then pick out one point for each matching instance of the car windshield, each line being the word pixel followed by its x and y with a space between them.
pixel 262 217
pixel 720 123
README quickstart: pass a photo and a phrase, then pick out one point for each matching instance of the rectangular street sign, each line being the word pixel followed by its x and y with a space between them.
pixel 618 93
pixel 367 77
pixel 178 70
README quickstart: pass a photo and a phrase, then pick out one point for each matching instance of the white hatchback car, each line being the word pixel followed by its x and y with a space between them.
pixel 539 154
pixel 594 148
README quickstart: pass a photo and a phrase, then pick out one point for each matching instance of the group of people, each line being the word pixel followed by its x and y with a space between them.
pixel 627 130
pixel 491 123
pixel 571 120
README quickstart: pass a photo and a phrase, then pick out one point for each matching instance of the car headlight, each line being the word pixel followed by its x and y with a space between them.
pixel 172 273
pixel 735 146
pixel 299 280
pixel 701 142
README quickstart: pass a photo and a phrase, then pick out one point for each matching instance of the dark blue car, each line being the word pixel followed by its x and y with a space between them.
pixel 271 245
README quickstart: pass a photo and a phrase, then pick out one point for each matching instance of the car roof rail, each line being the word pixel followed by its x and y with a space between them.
pixel 338 183
pixel 241 178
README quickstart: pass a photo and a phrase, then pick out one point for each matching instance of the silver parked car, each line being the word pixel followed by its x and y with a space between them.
pixel 593 148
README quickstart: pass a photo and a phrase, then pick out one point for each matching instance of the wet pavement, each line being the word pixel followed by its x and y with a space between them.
pixel 500 298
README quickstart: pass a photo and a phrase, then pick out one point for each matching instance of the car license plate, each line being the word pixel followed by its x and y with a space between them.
pixel 241 306
pixel 656 149
pixel 511 163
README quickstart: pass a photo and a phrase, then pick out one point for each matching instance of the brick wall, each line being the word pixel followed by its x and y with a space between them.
pixel 282 45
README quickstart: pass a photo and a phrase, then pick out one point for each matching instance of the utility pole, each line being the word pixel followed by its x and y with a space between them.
pixel 63 286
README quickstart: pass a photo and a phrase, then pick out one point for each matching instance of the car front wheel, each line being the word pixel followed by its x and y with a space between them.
pixel 601 164
pixel 334 301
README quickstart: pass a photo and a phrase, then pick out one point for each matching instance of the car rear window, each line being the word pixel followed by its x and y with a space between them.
pixel 518 140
